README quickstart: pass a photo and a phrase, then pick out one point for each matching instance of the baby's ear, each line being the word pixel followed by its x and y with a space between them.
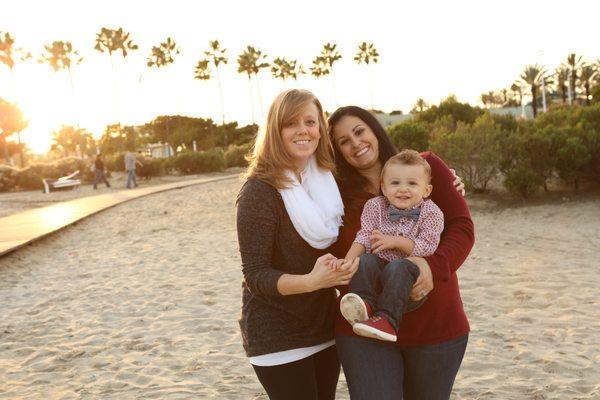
pixel 428 190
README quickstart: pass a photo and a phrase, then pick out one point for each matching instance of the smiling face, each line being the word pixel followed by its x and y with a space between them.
pixel 300 135
pixel 405 185
pixel 356 142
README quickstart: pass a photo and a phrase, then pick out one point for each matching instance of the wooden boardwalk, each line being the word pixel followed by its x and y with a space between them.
pixel 22 228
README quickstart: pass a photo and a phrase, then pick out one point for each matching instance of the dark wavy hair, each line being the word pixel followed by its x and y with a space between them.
pixel 351 182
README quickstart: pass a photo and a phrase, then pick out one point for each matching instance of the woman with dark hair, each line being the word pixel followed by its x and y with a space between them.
pixel 424 361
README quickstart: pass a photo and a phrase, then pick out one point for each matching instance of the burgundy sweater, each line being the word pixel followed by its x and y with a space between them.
pixel 441 318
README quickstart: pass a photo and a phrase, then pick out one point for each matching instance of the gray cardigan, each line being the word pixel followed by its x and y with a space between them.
pixel 271 247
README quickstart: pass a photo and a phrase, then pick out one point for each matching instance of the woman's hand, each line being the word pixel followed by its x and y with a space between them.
pixel 324 275
pixel 458 183
pixel 424 283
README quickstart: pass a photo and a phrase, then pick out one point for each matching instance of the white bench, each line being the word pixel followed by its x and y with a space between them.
pixel 66 182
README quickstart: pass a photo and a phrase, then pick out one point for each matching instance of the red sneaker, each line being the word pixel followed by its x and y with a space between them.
pixel 354 308
pixel 377 328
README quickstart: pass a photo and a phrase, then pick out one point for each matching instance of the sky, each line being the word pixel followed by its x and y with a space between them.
pixel 428 49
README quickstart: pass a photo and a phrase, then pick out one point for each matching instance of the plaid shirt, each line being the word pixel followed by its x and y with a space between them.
pixel 425 231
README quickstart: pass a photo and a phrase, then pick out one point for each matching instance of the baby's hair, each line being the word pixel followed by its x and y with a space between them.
pixel 408 157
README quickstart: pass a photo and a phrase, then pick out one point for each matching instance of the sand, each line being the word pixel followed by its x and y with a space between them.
pixel 14 202
pixel 142 301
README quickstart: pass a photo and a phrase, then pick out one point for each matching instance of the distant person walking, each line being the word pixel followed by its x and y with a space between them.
pixel 100 174
pixel 130 163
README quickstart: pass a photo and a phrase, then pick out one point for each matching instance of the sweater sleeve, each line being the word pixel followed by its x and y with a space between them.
pixel 458 236
pixel 430 229
pixel 256 228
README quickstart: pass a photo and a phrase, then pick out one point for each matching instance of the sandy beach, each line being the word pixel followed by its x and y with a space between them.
pixel 142 301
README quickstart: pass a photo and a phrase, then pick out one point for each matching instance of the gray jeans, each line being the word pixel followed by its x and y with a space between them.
pixel 99 177
pixel 131 182
pixel 385 286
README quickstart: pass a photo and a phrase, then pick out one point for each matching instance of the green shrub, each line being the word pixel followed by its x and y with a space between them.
pixel 526 160
pixel 410 135
pixel 67 166
pixel 8 178
pixel 115 162
pixel 150 167
pixel 190 162
pixel 235 156
pixel 474 151
pixel 521 179
pixel 572 156
pixel 30 178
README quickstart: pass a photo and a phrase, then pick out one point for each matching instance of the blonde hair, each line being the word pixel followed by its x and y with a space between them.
pixel 407 157
pixel 269 160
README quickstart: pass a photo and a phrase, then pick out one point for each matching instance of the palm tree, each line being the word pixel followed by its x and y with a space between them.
pixel 532 76
pixel 217 55
pixel 516 89
pixel 60 55
pixel 574 63
pixel 11 122
pixel 420 106
pixel 367 53
pixel 588 73
pixel 285 69
pixel 202 70
pixel 73 140
pixel 319 67
pixel 162 55
pixel 113 41
pixel 323 64
pixel 250 62
pixel 562 79
pixel 9 54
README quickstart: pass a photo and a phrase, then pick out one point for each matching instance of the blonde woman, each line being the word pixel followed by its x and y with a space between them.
pixel 289 212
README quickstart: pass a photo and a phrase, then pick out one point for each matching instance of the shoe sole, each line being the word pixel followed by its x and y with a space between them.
pixel 370 332
pixel 353 308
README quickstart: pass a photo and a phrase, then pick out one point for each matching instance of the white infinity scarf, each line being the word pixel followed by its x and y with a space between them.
pixel 315 205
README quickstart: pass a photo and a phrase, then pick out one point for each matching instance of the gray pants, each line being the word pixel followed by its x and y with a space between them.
pixel 385 286
pixel 100 177
pixel 131 182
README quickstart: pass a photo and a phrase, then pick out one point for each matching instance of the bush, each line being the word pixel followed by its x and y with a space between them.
pixel 66 166
pixel 410 135
pixel 115 162
pixel 150 167
pixel 474 151
pixel 571 157
pixel 521 179
pixel 189 162
pixel 526 159
pixel 235 156
pixel 30 177
pixel 8 178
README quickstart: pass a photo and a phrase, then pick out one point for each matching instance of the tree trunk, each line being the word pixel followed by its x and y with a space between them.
pixel 534 102
pixel 20 149
pixel 587 93
pixel 251 99
pixel 5 147
pixel 222 109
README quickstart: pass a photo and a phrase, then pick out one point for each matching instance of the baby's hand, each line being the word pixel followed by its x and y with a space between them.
pixel 337 264
pixel 380 242
pixel 346 264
